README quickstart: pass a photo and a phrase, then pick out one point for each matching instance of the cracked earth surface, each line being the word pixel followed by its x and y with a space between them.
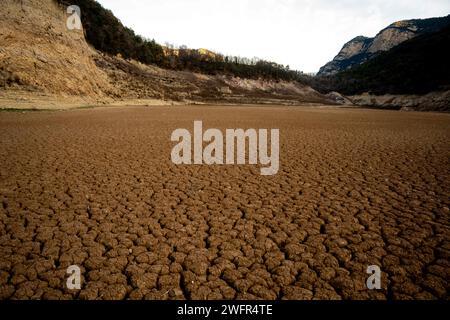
pixel 96 188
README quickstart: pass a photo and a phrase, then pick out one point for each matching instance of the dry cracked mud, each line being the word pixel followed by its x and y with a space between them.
pixel 96 188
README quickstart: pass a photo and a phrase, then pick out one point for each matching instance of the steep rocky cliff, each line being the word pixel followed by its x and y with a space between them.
pixel 362 49
pixel 38 52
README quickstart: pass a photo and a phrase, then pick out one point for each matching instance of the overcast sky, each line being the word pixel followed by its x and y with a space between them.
pixel 304 34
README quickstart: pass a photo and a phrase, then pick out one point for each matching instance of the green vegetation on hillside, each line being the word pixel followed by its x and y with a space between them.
pixel 420 65
pixel 107 34
pixel 417 66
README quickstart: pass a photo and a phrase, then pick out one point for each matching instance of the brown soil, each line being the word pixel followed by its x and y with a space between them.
pixel 97 188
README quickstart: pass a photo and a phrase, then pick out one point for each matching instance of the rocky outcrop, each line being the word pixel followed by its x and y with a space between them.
pixel 362 49
pixel 339 98
pixel 353 53
pixel 433 101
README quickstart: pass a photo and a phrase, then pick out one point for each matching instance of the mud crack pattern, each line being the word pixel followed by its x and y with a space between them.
pixel 96 188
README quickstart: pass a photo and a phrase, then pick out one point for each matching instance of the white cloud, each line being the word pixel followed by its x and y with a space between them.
pixel 304 34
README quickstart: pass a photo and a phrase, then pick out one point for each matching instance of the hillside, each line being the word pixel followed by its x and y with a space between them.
pixel 107 34
pixel 411 76
pixel 45 65
pixel 362 49
pixel 417 66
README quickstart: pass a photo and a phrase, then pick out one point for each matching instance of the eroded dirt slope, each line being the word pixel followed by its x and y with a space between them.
pixel 38 53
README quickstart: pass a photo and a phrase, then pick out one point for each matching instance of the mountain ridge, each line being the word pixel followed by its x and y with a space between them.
pixel 362 49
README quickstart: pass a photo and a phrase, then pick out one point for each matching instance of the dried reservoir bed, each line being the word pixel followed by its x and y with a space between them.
pixel 96 188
